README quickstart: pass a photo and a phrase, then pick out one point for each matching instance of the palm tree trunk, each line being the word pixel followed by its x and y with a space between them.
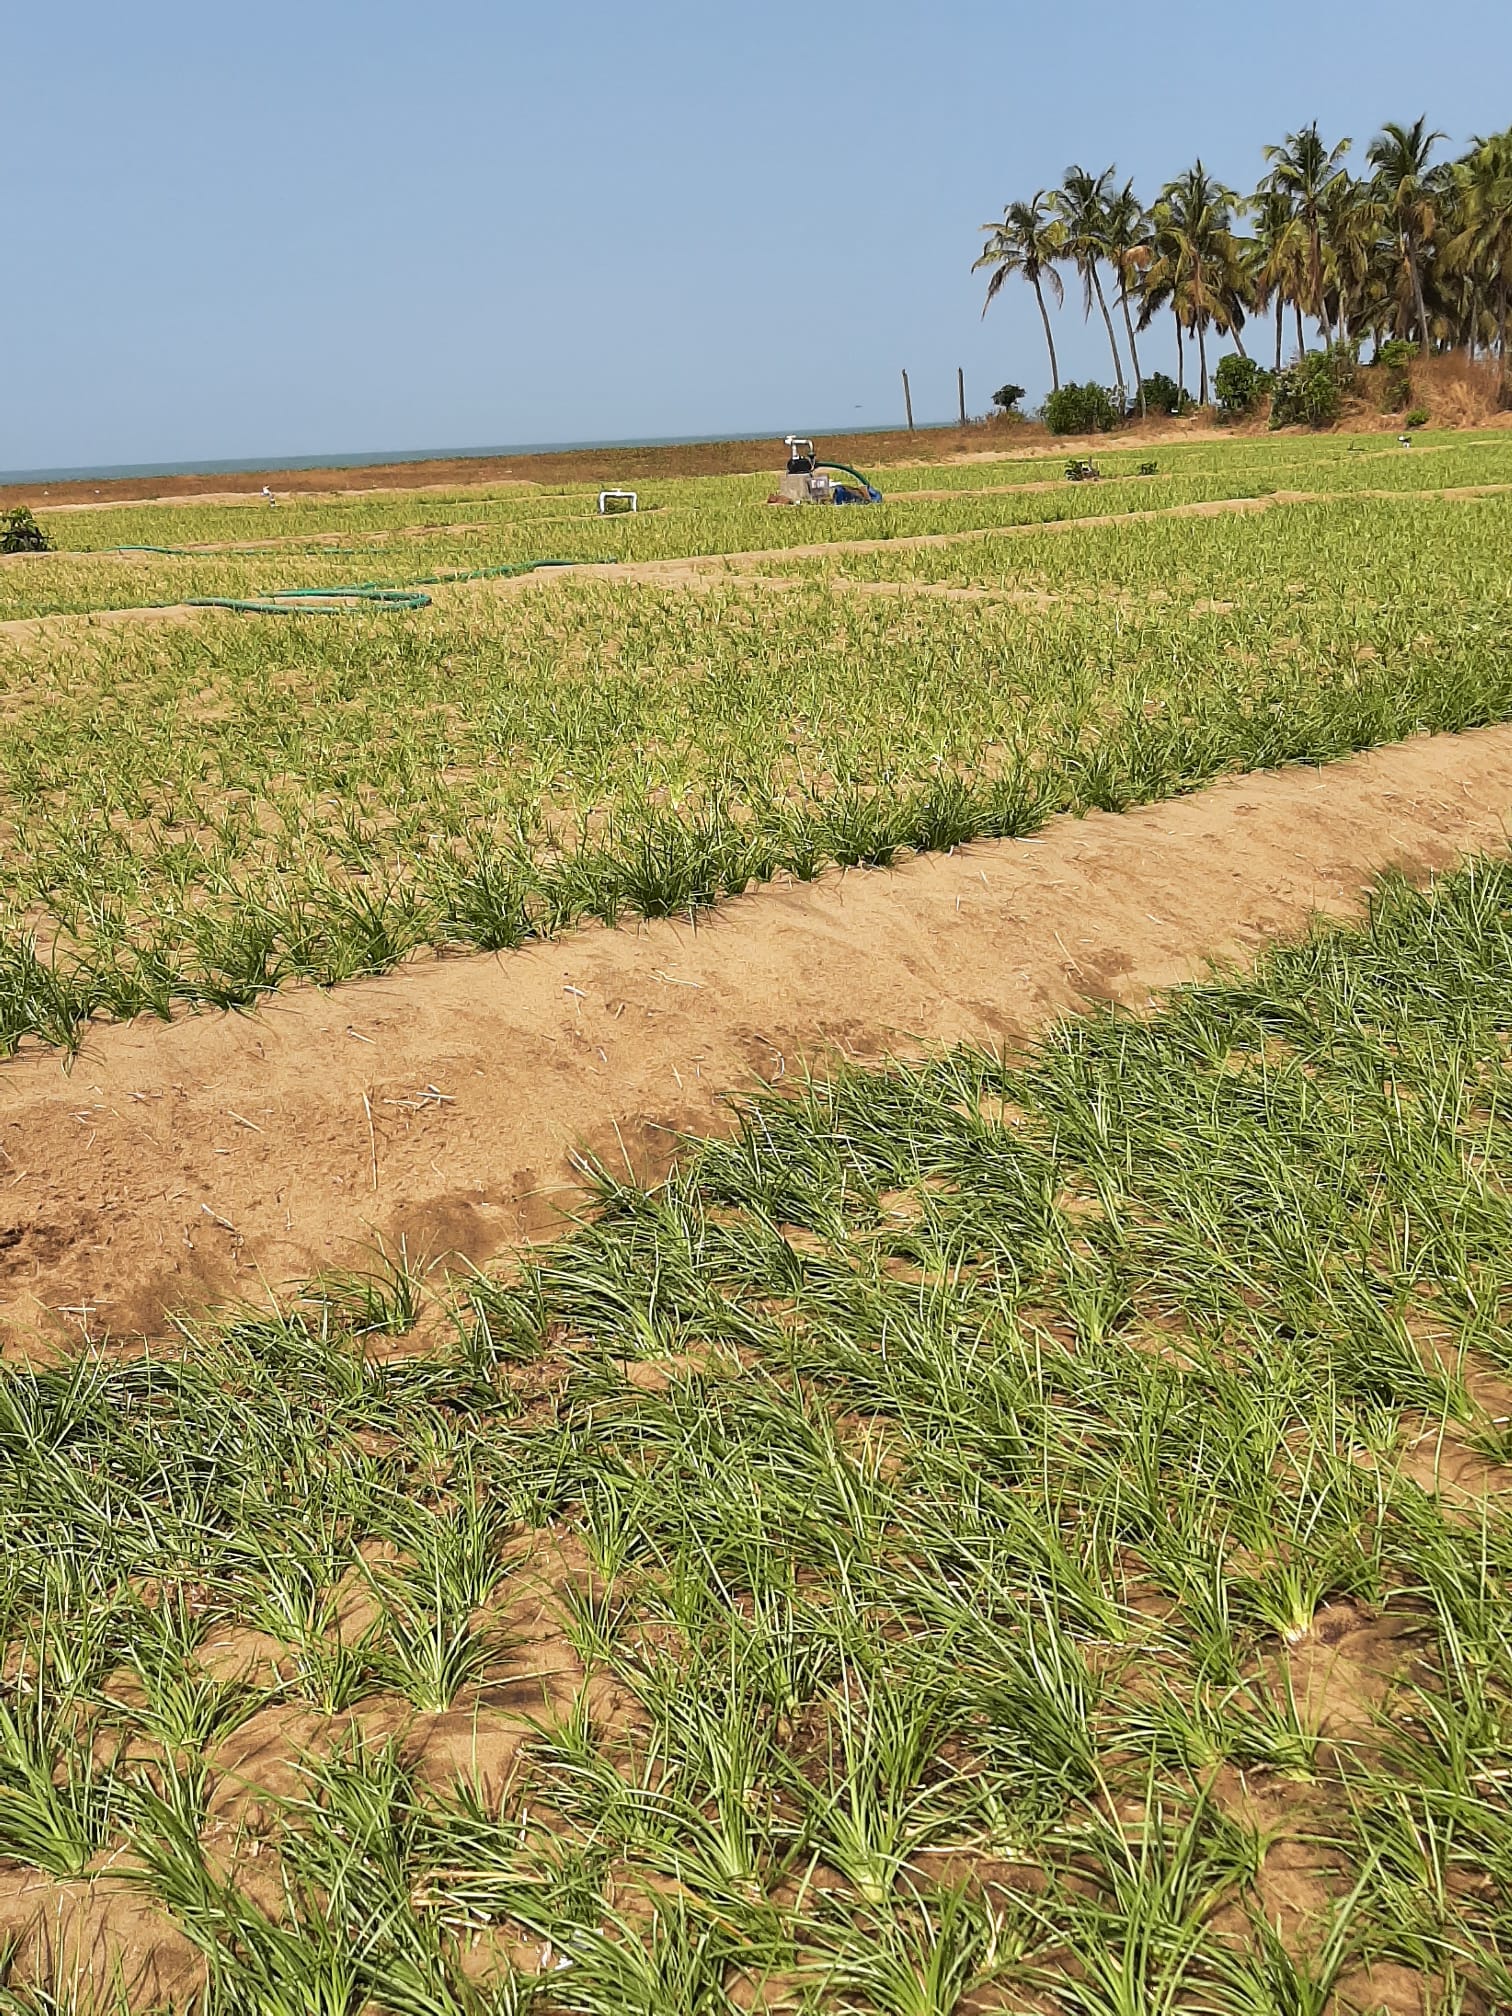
pixel 1238 340
pixel 1202 353
pixel 1301 339
pixel 1133 352
pixel 1049 339
pixel 1417 290
pixel 1112 339
pixel 1317 272
pixel 1180 360
pixel 1280 313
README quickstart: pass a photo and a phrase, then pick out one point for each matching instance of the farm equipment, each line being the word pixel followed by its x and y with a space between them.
pixel 809 481
pixel 1082 472
pixel 613 502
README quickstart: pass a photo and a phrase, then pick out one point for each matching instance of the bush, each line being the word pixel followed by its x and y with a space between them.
pixel 1081 409
pixel 1311 392
pixel 1398 358
pixel 1007 397
pixel 1240 384
pixel 1162 394
pixel 1418 417
pixel 20 533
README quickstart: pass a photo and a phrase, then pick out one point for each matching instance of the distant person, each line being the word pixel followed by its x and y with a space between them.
pixel 269 494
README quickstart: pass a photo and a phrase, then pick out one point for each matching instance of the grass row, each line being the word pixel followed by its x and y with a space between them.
pixel 1318 462
pixel 957 1476
pixel 66 583
pixel 201 814
pixel 704 519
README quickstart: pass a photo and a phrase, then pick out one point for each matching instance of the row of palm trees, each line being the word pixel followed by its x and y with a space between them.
pixel 1415 248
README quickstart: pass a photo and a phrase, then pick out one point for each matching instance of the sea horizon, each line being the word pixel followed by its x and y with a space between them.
pixel 377 459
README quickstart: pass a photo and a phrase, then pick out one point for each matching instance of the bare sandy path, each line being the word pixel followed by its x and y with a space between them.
pixel 442 1103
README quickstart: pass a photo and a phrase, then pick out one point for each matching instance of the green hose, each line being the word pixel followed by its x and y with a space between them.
pixel 309 601
pixel 382 594
pixel 392 595
pixel 249 546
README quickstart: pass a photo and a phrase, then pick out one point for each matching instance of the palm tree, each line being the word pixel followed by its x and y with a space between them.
pixel 1353 220
pixel 1129 254
pixel 1410 190
pixel 1028 241
pixel 1199 263
pixel 1481 242
pixel 1275 259
pixel 1081 203
pixel 1302 172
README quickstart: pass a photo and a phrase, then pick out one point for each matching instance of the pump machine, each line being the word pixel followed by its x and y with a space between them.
pixel 807 480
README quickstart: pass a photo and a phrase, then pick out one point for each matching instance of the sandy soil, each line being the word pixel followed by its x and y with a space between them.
pixel 573 465
pixel 442 1104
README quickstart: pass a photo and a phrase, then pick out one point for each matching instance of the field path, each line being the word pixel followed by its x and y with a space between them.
pixel 184 1162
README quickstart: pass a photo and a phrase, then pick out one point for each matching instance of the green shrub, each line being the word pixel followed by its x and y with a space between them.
pixel 20 533
pixel 1162 394
pixel 1007 397
pixel 1240 384
pixel 1398 357
pixel 1311 392
pixel 1081 409
pixel 1418 417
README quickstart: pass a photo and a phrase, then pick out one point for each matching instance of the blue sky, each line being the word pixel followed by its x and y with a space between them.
pixel 286 229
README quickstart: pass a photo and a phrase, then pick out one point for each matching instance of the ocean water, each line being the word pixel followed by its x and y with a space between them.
pixel 369 459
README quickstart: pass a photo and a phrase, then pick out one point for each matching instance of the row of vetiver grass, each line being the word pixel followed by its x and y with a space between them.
pixel 73 583
pixel 990 1556
pixel 197 814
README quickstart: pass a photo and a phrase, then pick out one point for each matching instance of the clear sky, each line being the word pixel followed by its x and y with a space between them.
pixel 347 225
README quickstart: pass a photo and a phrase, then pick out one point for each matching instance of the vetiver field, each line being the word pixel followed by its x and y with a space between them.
pixel 1014 1517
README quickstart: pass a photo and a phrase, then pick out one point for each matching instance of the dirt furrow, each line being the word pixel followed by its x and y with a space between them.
pixel 442 1104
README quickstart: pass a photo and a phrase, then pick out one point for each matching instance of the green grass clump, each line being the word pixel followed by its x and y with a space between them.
pixel 960 1482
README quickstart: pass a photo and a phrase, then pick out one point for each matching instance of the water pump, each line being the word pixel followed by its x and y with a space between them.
pixel 807 480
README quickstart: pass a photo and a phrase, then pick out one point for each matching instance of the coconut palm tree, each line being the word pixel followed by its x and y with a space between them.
pixel 1411 192
pixel 1199 264
pixel 1276 259
pixel 1129 254
pixel 1302 172
pixel 1480 242
pixel 1081 204
pixel 1028 241
pixel 1353 220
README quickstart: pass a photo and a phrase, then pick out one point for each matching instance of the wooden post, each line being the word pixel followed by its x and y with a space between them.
pixel 908 402
pixel 961 392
